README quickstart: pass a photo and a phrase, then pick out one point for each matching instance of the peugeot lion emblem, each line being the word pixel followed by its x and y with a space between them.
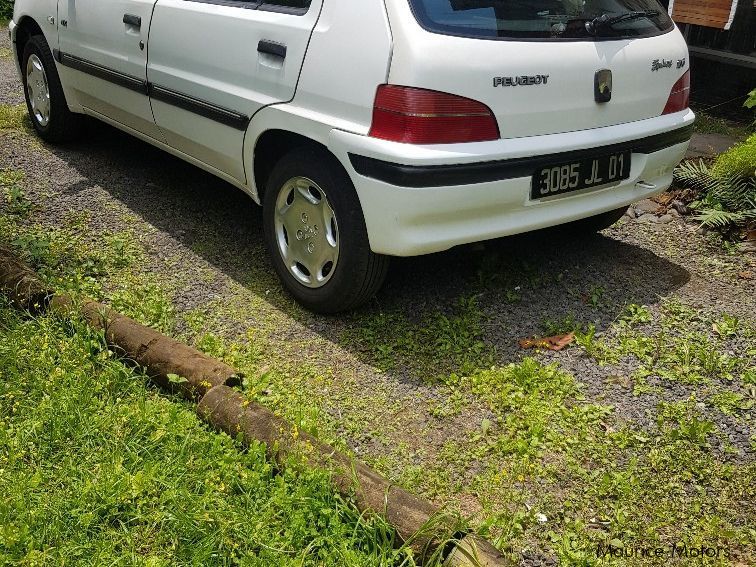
pixel 602 85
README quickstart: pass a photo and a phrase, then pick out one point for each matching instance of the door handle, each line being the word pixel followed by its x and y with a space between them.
pixel 132 20
pixel 272 48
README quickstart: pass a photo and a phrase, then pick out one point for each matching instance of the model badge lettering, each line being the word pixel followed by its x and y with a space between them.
pixel 681 63
pixel 657 64
pixel 522 80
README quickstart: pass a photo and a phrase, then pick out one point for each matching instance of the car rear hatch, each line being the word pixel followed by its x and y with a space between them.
pixel 541 66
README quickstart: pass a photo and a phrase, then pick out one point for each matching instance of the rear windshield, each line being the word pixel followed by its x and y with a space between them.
pixel 543 19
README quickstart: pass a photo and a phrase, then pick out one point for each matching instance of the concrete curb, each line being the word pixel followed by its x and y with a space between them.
pixel 418 523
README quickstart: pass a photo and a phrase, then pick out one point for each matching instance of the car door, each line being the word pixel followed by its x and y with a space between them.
pixel 103 53
pixel 214 63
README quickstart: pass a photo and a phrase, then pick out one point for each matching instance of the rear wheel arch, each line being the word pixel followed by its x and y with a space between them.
pixel 271 146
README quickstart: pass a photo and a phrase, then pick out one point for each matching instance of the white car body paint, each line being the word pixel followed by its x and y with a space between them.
pixel 228 71
pixel 95 31
pixel 337 53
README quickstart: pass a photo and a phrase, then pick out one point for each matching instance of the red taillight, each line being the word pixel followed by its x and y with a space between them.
pixel 419 116
pixel 679 98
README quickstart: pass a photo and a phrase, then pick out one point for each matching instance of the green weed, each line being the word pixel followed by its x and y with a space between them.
pixel 730 403
pixel 437 345
pixel 13 118
pixel 10 182
pixel 563 326
pixel 635 315
pixel 98 469
pixel 708 124
pixel 682 349
pixel 147 302
pixel 595 297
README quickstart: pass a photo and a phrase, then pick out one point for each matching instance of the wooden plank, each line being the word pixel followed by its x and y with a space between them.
pixel 704 4
pixel 697 18
pixel 708 13
pixel 694 16
pixel 701 13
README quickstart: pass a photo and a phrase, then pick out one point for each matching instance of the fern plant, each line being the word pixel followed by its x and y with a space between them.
pixel 751 102
pixel 726 191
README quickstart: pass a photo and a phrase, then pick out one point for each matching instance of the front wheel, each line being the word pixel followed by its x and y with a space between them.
pixel 316 235
pixel 45 99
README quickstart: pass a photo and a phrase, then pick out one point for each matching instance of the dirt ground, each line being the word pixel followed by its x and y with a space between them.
pixel 410 382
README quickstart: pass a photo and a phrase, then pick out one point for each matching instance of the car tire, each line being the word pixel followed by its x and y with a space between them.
pixel 591 225
pixel 45 100
pixel 316 235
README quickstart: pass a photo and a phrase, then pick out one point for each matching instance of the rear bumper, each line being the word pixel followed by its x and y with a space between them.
pixel 422 199
pixel 499 170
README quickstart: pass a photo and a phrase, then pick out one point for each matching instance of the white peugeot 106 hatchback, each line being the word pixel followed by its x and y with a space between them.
pixel 377 128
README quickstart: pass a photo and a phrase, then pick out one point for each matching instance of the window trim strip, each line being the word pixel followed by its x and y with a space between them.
pixel 265 6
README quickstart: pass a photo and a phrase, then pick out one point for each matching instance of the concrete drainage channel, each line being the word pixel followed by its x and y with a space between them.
pixel 210 383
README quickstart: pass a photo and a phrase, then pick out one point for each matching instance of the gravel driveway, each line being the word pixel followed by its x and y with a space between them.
pixel 203 243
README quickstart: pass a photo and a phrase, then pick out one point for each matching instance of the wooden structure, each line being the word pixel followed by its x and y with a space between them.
pixel 709 13
pixel 718 30
pixel 721 36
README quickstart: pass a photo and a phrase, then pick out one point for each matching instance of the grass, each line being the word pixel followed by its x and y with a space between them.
pixel 710 124
pixel 13 118
pixel 540 462
pixel 689 346
pixel 599 480
pixel 153 485
pixel 10 184
pixel 97 468
pixel 542 450
pixel 6 11
pixel 431 348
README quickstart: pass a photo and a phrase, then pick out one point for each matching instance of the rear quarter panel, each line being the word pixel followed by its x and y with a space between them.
pixel 348 57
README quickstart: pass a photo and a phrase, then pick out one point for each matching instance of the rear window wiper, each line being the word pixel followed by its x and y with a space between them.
pixel 605 20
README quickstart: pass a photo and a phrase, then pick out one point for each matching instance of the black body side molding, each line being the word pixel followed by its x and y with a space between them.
pixel 203 108
pixel 101 72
